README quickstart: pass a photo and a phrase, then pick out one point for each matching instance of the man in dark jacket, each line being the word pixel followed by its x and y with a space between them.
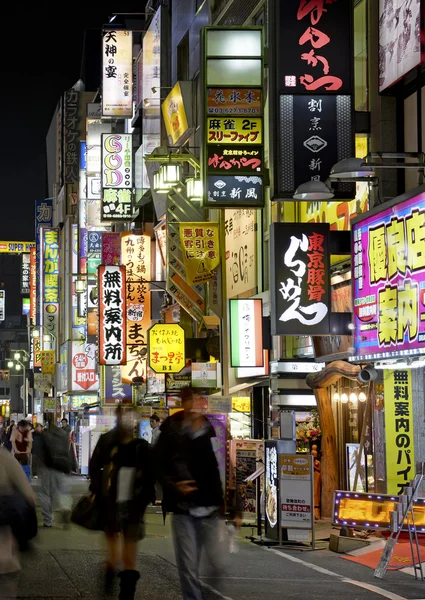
pixel 188 471
pixel 122 480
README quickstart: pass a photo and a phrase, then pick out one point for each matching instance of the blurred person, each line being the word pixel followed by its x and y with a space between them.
pixel 156 432
pixel 72 457
pixel 9 431
pixel 38 457
pixel 53 471
pixel 14 489
pixel 121 477
pixel 66 426
pixel 21 440
pixel 188 470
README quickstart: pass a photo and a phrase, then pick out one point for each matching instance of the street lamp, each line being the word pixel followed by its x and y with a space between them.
pixel 10 364
pixel 17 355
pixel 313 190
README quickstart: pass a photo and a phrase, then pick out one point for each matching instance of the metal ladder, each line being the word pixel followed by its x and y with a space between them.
pixel 404 513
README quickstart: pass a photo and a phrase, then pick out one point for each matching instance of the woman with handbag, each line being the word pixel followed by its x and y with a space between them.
pixel 122 482
pixel 18 522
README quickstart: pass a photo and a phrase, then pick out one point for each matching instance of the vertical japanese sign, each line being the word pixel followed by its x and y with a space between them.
pixel 200 248
pixel 271 490
pixel 399 430
pixel 315 47
pixel 94 251
pixel 246 333
pixel 136 257
pixel 389 280
pixel 117 73
pixel 151 128
pixel 112 390
pixel 71 137
pixel 43 218
pixel 314 74
pixel 47 362
pixel 117 177
pixel 36 352
pixel 25 273
pixel 299 279
pixel 240 230
pixel 233 156
pixel 166 348
pixel 112 317
pixel 49 283
pixel 2 305
pixel 84 372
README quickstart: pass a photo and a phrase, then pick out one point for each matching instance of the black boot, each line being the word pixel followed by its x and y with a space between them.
pixel 128 584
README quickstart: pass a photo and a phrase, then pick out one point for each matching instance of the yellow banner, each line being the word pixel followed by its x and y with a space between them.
pixel 16 247
pixel 399 438
pixel 235 130
pixel 47 362
pixel 200 249
pixel 174 115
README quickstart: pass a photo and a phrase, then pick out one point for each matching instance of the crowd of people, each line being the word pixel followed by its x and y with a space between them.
pixel 126 473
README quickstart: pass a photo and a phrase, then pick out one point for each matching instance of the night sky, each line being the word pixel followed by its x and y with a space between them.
pixel 40 58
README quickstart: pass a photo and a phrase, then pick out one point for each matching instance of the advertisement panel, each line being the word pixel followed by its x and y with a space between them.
pixel 111 248
pixel 230 159
pixel 117 73
pixel 389 281
pixel 234 101
pixel 136 257
pixel 174 115
pixel 219 443
pixel 235 130
pixel 25 273
pixel 117 158
pixel 314 47
pixel 204 375
pixel 400 39
pixel 200 249
pixel 43 218
pixel 296 491
pixel 399 430
pixel 113 390
pixel 235 190
pixel 33 286
pixel 271 490
pixel 240 232
pixel 47 362
pixel 166 348
pixel 16 247
pixel 299 279
pixel 246 333
pixel 112 315
pixel 2 305
pixel 83 371
pixel 71 138
pixel 49 283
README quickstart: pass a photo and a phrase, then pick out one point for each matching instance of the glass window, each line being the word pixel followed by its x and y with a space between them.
pixel 234 43
pixel 234 72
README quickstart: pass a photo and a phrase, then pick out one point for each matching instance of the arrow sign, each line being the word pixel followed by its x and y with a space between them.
pixel 86 378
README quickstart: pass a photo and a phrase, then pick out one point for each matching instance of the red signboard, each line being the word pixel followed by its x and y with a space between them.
pixel 112 315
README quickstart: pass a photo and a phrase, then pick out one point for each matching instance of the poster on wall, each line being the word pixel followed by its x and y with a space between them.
pixel 400 39
pixel 389 280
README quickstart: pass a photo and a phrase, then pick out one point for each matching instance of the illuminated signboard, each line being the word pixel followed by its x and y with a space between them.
pixel 234 101
pixel 2 305
pixel 235 130
pixel 371 510
pixel 117 156
pixel 174 115
pixel 16 247
pixel 112 315
pixel 49 282
pixel 246 333
pixel 166 348
pixel 112 390
pixel 200 249
pixel 25 273
pixel 230 159
pixel 300 286
pixel 83 369
pixel 314 47
pixel 399 429
pixel 400 43
pixel 389 280
pixel 117 73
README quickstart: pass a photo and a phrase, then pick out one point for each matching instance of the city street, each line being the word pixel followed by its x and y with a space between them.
pixel 67 564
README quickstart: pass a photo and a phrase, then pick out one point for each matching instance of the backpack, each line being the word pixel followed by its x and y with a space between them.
pixel 56 445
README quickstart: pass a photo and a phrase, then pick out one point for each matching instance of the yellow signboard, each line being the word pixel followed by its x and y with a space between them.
pixel 174 115
pixel 47 362
pixel 234 130
pixel 200 249
pixel 166 348
pixel 399 438
pixel 241 405
pixel 16 247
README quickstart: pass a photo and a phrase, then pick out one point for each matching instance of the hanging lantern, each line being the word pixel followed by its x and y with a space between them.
pixel 159 185
pixel 353 398
pixel 344 398
pixel 362 397
pixel 194 189
pixel 171 174
pixel 336 397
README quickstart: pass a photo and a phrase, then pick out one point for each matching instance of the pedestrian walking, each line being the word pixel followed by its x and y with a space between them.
pixel 188 470
pixel 17 501
pixel 38 454
pixel 21 440
pixel 156 432
pixel 122 480
pixel 53 472
pixel 72 456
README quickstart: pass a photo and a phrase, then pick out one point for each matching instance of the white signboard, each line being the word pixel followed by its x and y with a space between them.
pixel 117 73
pixel 84 371
pixel 400 26
pixel 296 491
pixel 241 258
pixel 117 160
